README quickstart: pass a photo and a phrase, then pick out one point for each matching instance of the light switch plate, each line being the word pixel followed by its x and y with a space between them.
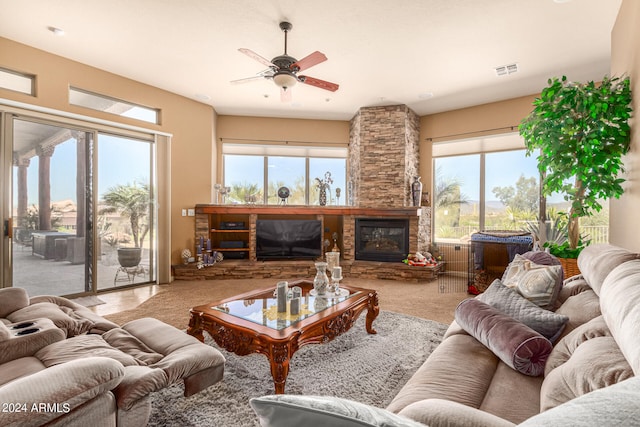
pixel 192 212
pixel 184 212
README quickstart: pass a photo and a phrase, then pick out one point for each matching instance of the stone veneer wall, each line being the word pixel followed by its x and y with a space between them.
pixel 384 152
pixel 384 155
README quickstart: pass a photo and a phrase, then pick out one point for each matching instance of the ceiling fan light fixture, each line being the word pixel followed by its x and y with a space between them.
pixel 285 80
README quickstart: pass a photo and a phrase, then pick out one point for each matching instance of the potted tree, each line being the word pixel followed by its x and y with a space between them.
pixel 131 201
pixel 581 131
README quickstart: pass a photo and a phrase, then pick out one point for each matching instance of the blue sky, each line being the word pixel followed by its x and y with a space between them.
pixel 502 169
pixel 121 161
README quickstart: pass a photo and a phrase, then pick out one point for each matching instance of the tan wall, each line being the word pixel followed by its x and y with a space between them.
pixel 486 119
pixel 191 123
pixel 318 132
pixel 625 60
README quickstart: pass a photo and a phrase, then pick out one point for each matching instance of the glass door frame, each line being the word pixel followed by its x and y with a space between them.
pixel 161 152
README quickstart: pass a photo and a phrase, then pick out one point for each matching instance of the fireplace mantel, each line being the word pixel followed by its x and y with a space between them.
pixel 306 210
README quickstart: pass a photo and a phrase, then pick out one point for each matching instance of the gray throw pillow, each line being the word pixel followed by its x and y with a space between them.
pixel 286 410
pixel 510 302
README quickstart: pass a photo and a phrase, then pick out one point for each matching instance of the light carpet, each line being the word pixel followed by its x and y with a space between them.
pixel 367 368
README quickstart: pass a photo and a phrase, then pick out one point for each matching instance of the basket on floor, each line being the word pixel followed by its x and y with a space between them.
pixel 570 267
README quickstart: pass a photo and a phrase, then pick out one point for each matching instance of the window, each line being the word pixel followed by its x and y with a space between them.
pixel 17 82
pixel 490 184
pixel 286 172
pixel 253 173
pixel 244 175
pixel 456 196
pixel 318 167
pixel 107 104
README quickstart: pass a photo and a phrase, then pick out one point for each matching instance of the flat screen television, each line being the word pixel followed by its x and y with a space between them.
pixel 288 239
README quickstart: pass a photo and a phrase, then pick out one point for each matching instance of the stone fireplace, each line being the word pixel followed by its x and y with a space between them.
pixel 384 156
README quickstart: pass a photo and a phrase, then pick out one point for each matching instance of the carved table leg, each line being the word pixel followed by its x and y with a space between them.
pixel 279 360
pixel 372 312
pixel 195 326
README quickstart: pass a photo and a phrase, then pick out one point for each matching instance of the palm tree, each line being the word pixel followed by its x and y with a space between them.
pixel 239 192
pixel 132 201
pixel 448 191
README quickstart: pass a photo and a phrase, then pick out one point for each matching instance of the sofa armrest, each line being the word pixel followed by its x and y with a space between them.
pixel 445 413
pixel 38 333
pixel 48 394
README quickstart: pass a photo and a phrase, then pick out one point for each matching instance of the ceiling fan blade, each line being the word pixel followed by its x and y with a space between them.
pixel 285 95
pixel 246 80
pixel 322 84
pixel 309 61
pixel 260 59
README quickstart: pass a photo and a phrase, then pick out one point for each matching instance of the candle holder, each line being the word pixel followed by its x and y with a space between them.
pixel 336 277
pixel 333 261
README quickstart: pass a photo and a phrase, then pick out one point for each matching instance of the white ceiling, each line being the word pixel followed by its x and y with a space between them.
pixel 380 52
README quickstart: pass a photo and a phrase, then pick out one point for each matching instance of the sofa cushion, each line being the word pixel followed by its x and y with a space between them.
pixel 323 411
pixel 4 332
pixel 81 347
pixel 616 405
pixel 564 349
pixel 597 261
pixel 12 299
pixel 580 309
pixel 595 364
pixel 433 379
pixel 17 368
pixel 53 312
pixel 545 322
pixel 513 342
pixel 620 304
pixel 125 342
pixel 440 412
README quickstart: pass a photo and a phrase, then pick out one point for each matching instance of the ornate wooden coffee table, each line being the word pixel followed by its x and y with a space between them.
pixel 249 323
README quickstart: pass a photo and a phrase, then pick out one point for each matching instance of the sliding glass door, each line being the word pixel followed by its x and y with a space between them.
pixel 51 222
pixel 77 207
pixel 125 225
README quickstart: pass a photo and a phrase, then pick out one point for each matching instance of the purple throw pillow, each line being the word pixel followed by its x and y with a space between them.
pixel 516 344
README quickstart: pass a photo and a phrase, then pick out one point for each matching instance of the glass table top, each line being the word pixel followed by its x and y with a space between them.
pixel 263 310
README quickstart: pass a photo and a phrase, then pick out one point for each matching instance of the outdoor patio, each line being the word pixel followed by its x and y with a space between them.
pixel 50 277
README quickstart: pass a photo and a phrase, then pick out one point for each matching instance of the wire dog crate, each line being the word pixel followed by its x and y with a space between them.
pixel 457 272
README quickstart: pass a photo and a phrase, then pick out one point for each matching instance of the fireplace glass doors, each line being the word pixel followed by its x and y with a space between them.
pixel 382 239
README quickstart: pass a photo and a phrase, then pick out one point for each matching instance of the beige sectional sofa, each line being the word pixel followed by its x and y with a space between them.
pixel 464 383
pixel 490 371
pixel 63 365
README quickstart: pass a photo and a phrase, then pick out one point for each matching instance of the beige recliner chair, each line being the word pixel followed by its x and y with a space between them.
pixel 45 340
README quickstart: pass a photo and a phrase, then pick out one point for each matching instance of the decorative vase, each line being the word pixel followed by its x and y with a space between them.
pixel 321 281
pixel 416 191
pixel 322 198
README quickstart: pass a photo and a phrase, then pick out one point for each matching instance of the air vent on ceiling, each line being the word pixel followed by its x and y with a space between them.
pixel 505 70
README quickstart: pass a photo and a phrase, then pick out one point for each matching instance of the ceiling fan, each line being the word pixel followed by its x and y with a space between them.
pixel 284 69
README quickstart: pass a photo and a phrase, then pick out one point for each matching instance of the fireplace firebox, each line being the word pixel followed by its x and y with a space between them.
pixel 381 239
